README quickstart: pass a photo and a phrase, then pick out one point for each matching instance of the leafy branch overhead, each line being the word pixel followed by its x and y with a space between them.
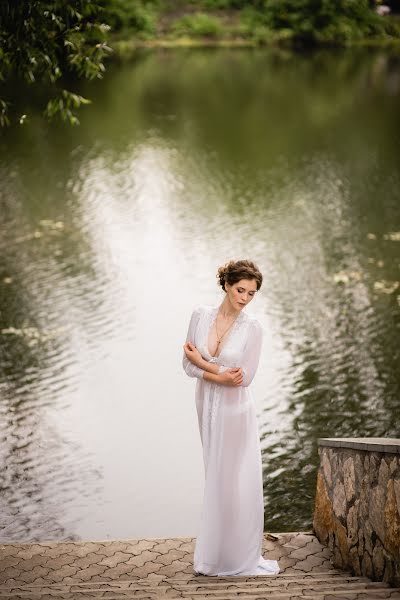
pixel 46 43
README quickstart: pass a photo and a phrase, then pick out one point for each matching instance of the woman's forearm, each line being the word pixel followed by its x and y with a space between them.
pixel 207 366
pixel 213 377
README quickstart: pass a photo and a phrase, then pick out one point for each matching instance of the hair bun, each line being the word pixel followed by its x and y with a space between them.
pixel 222 274
pixel 233 271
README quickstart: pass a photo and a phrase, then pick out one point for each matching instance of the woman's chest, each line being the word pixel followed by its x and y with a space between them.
pixel 229 351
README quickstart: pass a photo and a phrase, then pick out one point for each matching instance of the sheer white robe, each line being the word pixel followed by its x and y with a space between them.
pixel 232 519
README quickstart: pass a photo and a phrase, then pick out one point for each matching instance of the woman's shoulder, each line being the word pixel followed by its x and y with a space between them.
pixel 252 320
pixel 203 308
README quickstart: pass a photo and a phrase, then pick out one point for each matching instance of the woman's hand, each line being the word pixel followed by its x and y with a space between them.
pixel 192 353
pixel 232 377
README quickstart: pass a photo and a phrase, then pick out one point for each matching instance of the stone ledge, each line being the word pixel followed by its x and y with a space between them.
pixel 389 445
pixel 357 505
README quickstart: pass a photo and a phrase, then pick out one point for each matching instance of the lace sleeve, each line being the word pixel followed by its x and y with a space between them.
pixel 190 369
pixel 252 352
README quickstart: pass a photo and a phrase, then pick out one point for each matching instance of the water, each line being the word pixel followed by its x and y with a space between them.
pixel 112 232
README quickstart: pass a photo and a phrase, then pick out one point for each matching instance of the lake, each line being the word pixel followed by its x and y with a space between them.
pixel 111 233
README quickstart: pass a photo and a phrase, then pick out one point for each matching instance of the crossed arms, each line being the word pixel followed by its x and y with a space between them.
pixel 196 366
pixel 211 371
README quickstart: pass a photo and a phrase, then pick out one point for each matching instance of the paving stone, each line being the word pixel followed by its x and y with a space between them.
pixel 59 561
pixel 185 547
pixel 327 564
pixel 146 569
pixel 66 571
pixel 175 567
pixel 10 561
pixel 118 571
pixel 156 568
pixel 274 555
pixel 301 553
pixel 309 563
pixel 172 555
pixel 166 546
pixel 286 562
pixel 324 553
pixel 299 540
pixel 115 559
pixel 55 551
pixel 30 576
pixel 10 573
pixel 268 545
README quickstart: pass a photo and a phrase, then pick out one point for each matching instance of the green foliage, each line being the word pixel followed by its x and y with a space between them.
pixel 44 42
pixel 129 15
pixel 321 21
pixel 64 105
pixel 235 4
pixel 198 25
pixel 225 4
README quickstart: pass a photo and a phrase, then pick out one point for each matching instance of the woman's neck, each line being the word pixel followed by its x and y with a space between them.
pixel 226 310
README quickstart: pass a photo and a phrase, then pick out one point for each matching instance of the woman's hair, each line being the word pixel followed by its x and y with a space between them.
pixel 234 271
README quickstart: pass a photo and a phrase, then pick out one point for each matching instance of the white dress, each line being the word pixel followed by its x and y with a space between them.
pixel 232 518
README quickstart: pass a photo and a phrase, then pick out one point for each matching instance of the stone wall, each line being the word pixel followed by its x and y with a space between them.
pixel 357 505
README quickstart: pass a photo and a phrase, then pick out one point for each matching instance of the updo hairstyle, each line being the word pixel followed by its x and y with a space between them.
pixel 234 271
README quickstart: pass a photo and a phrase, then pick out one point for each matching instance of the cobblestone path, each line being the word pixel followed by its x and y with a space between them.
pixel 163 568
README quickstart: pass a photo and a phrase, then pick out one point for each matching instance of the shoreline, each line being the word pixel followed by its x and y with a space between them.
pixel 125 48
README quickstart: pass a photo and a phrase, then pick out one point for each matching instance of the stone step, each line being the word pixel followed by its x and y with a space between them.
pixel 279 583
pixel 342 595
pixel 195 580
pixel 299 587
pixel 276 589
pixel 182 592
pixel 287 575
pixel 194 587
pixel 284 595
pixel 295 591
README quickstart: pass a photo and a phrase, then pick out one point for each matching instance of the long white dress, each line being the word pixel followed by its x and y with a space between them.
pixel 232 519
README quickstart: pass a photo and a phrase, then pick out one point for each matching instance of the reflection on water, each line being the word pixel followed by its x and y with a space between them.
pixel 113 231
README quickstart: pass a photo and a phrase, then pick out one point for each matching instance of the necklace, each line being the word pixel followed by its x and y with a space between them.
pixel 219 337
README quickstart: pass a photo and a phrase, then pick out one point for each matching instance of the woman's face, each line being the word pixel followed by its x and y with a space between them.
pixel 241 293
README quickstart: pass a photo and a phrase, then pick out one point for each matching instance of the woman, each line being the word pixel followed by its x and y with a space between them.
pixel 222 350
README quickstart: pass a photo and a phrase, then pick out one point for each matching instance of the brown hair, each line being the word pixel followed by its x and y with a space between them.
pixel 234 271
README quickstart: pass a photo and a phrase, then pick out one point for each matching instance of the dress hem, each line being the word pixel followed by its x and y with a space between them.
pixel 265 567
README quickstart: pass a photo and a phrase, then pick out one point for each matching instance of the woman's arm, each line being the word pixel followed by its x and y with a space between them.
pixel 191 369
pixel 196 359
pixel 211 371
pixel 230 377
pixel 198 367
pixel 252 352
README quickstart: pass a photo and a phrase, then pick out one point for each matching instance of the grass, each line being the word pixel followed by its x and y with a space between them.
pixel 175 23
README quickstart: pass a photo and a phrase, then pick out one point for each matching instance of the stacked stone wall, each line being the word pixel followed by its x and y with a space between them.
pixel 357 506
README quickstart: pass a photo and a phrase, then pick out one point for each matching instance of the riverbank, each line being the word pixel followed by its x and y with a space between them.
pixel 126 49
pixel 203 24
pixel 154 568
